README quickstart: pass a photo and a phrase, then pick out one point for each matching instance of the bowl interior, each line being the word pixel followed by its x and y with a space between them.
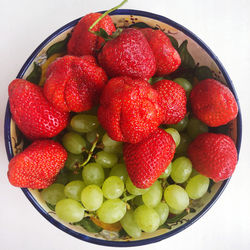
pixel 202 56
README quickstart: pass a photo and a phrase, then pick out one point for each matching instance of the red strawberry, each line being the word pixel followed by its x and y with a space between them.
pixel 129 54
pixel 146 160
pixel 213 155
pixel 173 100
pixel 74 83
pixel 32 113
pixel 166 56
pixel 83 42
pixel 38 165
pixel 213 103
pixel 129 109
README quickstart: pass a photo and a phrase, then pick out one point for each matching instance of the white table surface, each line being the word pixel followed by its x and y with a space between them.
pixel 224 26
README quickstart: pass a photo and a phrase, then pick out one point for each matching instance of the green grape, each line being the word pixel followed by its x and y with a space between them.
pixel 146 218
pixel 137 201
pixel 73 161
pixel 129 225
pixel 93 173
pixel 132 189
pixel 176 197
pixel 197 186
pixel 183 146
pixel 196 127
pixel 92 197
pixel 119 170
pixel 74 143
pixel 174 211
pixel 75 175
pixel 107 141
pixel 73 189
pixel 163 211
pixel 180 126
pixel 69 210
pixel 153 196
pixel 106 172
pixel 62 177
pixel 91 136
pixel 155 79
pixel 181 169
pixel 53 193
pixel 111 211
pixel 107 160
pixel 113 187
pixel 117 149
pixel 175 134
pixel 83 123
pixel 167 172
pixel 185 84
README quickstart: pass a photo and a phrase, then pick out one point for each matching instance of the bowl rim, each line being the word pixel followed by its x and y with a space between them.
pixel 7 136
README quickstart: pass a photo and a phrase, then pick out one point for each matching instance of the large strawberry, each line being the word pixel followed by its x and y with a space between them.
pixel 37 166
pixel 213 155
pixel 146 160
pixel 129 54
pixel 129 109
pixel 32 113
pixel 166 56
pixel 173 100
pixel 213 103
pixel 74 83
pixel 83 42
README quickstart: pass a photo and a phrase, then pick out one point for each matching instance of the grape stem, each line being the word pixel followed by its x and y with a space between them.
pixel 90 153
pixel 105 14
pixel 130 197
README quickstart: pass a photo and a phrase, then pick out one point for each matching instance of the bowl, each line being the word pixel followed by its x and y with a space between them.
pixel 204 59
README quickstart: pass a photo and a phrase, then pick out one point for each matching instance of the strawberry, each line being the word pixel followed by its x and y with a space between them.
pixel 82 42
pixel 74 83
pixel 37 166
pixel 129 54
pixel 213 103
pixel 129 109
pixel 147 159
pixel 32 113
pixel 173 100
pixel 166 56
pixel 213 155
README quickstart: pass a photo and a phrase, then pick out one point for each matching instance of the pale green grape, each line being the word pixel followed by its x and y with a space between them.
pixel 129 225
pixel 163 211
pixel 196 127
pixel 83 123
pixel 174 211
pixel 137 201
pixel 113 187
pixel 73 161
pixel 167 172
pixel 153 196
pixel 175 134
pixel 111 211
pixel 147 218
pixel 92 197
pixel 185 84
pixel 116 149
pixel 69 210
pixel 184 143
pixel 107 141
pixel 53 193
pixel 181 169
pixel 73 189
pixel 197 186
pixel 107 160
pixel 180 126
pixel 74 143
pixel 93 173
pixel 132 189
pixel 176 197
pixel 119 170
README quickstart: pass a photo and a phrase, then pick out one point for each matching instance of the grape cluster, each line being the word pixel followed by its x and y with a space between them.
pixel 95 183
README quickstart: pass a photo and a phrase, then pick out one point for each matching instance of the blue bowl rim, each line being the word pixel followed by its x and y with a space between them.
pixel 80 236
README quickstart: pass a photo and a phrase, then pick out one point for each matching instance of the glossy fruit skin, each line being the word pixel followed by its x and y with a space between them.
pixel 213 103
pixel 129 54
pixel 37 166
pixel 74 83
pixel 147 159
pixel 213 155
pixel 83 42
pixel 167 58
pixel 32 113
pixel 129 109
pixel 173 100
